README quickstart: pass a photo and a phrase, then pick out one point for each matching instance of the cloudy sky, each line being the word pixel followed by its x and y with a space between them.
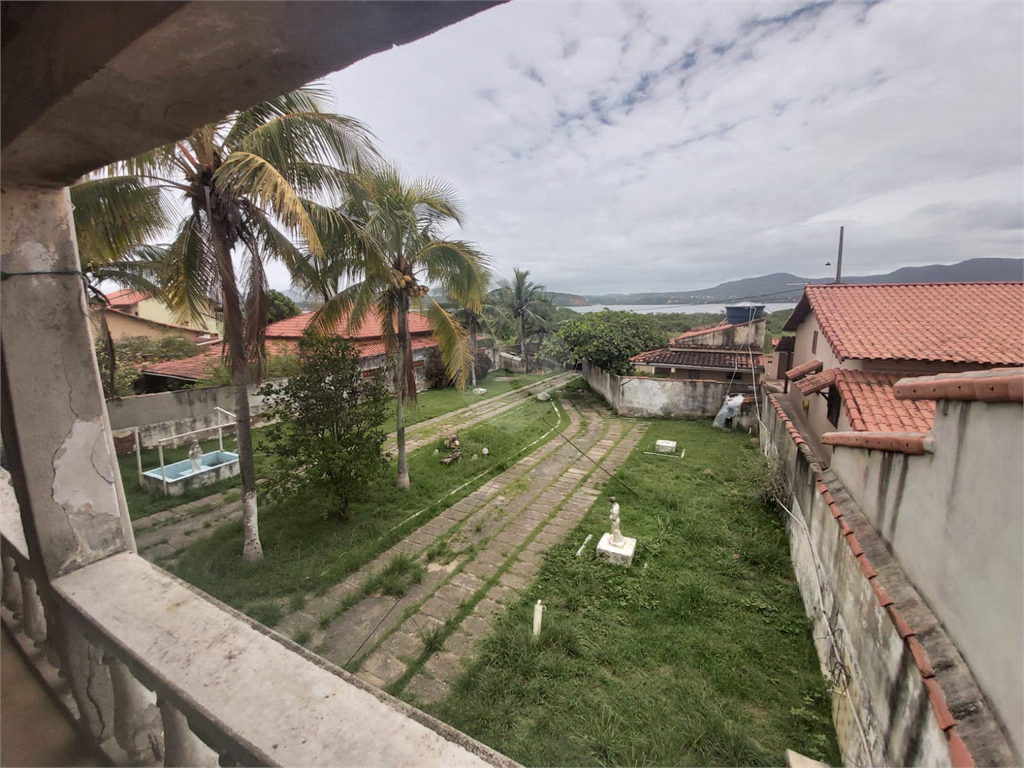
pixel 617 147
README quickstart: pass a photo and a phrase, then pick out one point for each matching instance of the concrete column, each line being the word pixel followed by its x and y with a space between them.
pixel 137 725
pixel 55 431
pixel 181 746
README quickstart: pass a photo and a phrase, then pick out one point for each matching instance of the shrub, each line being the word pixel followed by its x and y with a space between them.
pixel 328 438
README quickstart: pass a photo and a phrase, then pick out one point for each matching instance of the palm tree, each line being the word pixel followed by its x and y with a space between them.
pixel 524 307
pixel 115 219
pixel 397 250
pixel 252 185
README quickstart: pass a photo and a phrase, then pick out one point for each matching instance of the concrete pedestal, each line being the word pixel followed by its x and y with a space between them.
pixel 616 554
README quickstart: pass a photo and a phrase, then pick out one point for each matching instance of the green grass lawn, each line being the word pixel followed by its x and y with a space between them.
pixel 433 402
pixel 700 654
pixel 436 402
pixel 307 548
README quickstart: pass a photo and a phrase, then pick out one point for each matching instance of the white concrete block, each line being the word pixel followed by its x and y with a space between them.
pixel 665 446
pixel 616 554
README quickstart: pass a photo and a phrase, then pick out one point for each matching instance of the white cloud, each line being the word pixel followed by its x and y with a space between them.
pixel 613 148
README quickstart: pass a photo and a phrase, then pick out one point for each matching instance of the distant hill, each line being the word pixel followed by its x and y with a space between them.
pixel 568 299
pixel 783 286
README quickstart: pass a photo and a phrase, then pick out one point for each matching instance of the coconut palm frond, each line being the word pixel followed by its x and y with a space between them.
pixel 249 175
pixel 189 271
pixel 141 271
pixel 311 138
pixel 459 267
pixel 451 340
pixel 314 97
pixel 113 216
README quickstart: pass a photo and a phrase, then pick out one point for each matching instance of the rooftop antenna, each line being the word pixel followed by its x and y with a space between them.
pixel 839 260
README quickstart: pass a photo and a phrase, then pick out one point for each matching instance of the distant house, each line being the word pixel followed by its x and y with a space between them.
pixel 853 342
pixel 122 325
pixel 282 339
pixel 140 305
pixel 722 352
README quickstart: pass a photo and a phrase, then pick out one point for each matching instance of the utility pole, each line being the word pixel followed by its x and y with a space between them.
pixel 839 261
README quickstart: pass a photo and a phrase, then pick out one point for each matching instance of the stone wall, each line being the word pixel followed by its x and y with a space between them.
pixel 954 520
pixel 903 694
pixel 666 398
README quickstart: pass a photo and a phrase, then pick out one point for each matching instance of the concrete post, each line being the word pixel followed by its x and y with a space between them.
pixel 53 419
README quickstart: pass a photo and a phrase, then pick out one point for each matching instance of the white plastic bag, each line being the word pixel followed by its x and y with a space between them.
pixel 731 408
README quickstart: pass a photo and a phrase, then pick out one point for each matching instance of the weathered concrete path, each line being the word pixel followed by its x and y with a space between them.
pixel 494 540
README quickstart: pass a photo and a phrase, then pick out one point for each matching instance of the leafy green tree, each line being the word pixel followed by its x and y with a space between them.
pixel 609 339
pixel 328 437
pixel 524 307
pixel 398 250
pixel 281 307
pixel 252 186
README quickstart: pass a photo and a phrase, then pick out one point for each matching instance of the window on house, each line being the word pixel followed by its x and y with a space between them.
pixel 835 403
pixel 814 343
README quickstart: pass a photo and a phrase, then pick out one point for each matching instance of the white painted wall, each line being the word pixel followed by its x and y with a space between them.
pixel 955 520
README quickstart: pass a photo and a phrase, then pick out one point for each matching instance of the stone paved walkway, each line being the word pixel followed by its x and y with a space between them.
pixel 496 537
pixel 421 433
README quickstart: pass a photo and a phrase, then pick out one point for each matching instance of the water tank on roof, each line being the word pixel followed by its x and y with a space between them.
pixel 743 313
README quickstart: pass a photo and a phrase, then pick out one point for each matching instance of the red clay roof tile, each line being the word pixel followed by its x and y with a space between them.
pixel 948 322
pixel 811 366
pixel 293 327
pixel 871 404
pixel 938 700
pixel 201 366
pixel 811 384
pixel 959 755
pixel 998 385
pixel 125 297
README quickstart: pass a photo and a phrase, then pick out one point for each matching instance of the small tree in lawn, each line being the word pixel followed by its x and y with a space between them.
pixel 328 439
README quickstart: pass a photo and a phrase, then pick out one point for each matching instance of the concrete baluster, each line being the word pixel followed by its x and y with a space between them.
pixel 181 746
pixel 11 594
pixel 52 638
pixel 136 716
pixel 89 679
pixel 33 622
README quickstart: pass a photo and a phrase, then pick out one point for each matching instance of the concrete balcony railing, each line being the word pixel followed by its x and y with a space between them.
pixel 161 674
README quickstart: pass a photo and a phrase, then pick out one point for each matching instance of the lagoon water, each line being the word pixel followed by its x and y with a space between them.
pixel 689 309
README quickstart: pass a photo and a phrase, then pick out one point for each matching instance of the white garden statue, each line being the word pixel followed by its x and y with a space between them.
pixel 617 538
pixel 614 547
pixel 195 455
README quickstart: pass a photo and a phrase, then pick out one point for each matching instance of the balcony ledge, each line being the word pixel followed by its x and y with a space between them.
pixel 247 690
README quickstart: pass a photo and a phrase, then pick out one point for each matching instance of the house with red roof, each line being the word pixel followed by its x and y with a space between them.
pixel 144 307
pixel 853 343
pixel 282 338
pixel 729 352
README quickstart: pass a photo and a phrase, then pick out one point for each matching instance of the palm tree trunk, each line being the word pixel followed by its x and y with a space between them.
pixel 472 367
pixel 234 335
pixel 252 550
pixel 401 376
pixel 522 343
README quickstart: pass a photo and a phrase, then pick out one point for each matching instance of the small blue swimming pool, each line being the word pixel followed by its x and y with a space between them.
pixel 180 476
